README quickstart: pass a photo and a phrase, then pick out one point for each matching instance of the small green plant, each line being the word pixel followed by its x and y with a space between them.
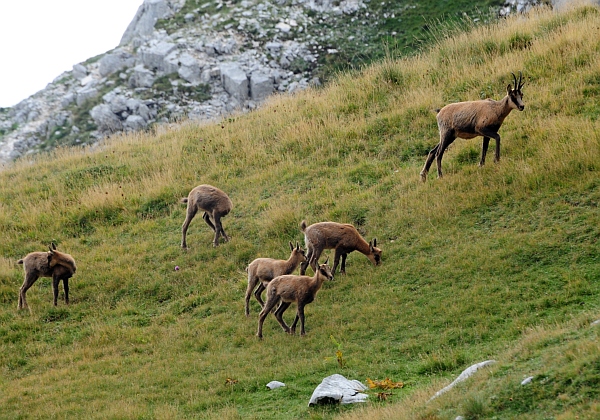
pixel 339 356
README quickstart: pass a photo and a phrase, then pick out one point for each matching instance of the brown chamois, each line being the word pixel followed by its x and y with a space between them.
pixel 58 265
pixel 471 119
pixel 215 204
pixel 263 270
pixel 288 289
pixel 344 238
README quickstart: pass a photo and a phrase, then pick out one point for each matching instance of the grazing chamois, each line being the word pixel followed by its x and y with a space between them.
pixel 263 270
pixel 471 119
pixel 344 238
pixel 55 264
pixel 288 289
pixel 215 204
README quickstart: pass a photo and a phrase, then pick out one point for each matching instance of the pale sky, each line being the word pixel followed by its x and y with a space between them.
pixel 39 39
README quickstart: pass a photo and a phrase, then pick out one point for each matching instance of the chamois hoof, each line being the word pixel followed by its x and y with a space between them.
pixel 423 176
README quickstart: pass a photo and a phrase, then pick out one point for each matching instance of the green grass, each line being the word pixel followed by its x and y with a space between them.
pixel 499 262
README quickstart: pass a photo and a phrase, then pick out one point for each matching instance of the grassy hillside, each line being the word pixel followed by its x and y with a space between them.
pixel 499 262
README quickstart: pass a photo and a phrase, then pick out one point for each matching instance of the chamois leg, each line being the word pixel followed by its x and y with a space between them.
pixel 219 227
pixel 446 140
pixel 343 269
pixel 191 212
pixel 216 227
pixel 484 149
pixel 252 280
pixel 497 156
pixel 272 300
pixel 495 136
pixel 301 316
pixel 66 287
pixel 336 260
pixel 30 278
pixel 258 293
pixel 206 218
pixel 55 281
pixel 428 162
pixel 279 316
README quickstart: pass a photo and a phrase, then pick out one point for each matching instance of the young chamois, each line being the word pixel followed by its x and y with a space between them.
pixel 288 289
pixel 58 265
pixel 263 270
pixel 344 238
pixel 471 119
pixel 215 204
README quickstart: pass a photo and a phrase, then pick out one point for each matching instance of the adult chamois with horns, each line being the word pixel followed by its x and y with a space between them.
pixel 474 118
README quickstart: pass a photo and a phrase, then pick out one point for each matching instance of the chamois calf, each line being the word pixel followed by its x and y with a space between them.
pixel 263 270
pixel 58 265
pixel 288 289
pixel 215 204
pixel 344 238
pixel 471 119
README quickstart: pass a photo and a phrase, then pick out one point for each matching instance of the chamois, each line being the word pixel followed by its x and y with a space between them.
pixel 55 264
pixel 344 238
pixel 263 270
pixel 288 289
pixel 215 204
pixel 471 119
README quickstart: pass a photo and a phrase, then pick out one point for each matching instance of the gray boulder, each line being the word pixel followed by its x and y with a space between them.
pixel 85 93
pixel 105 119
pixel 134 123
pixel 114 62
pixel 337 389
pixel 79 71
pixel 234 81
pixel 141 77
pixel 146 16
pixel 154 57
pixel 189 69
pixel 118 104
pixel 261 86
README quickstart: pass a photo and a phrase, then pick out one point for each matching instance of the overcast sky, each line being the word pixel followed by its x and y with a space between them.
pixel 39 39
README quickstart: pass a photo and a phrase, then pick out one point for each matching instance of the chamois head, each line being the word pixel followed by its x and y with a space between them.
pixel 299 251
pixel 58 258
pixel 515 95
pixel 375 255
pixel 325 270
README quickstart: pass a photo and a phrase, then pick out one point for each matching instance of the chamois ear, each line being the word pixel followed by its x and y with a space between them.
pixel 291 246
pixel 52 247
pixel 508 89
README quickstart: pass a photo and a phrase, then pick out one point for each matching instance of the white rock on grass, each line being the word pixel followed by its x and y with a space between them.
pixel 467 373
pixel 337 389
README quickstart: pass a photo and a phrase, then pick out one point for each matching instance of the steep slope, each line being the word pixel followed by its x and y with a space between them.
pixel 499 262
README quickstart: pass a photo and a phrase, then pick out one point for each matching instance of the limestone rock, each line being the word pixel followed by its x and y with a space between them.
pixel 261 86
pixel 337 389
pixel 105 119
pixel 110 63
pixel 234 81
